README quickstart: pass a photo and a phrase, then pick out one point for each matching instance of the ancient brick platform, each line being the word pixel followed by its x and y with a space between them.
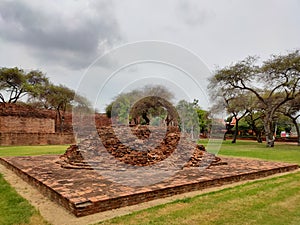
pixel 85 192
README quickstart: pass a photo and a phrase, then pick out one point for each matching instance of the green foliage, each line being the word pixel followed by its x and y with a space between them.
pixel 283 123
pixel 246 86
pixel 291 110
pixel 244 127
pixel 15 83
pixel 37 82
pixel 189 120
pixel 193 119
pixel 145 100
pixel 204 120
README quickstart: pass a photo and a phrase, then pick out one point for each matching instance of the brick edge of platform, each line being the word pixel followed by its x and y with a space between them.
pixel 90 207
pixel 44 189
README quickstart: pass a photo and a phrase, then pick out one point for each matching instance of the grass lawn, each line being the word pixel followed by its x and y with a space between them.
pixel 32 150
pixel 14 209
pixel 282 152
pixel 271 201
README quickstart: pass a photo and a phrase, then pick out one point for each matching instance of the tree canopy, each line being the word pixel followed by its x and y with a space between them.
pixel 15 83
pixel 153 105
pixel 146 104
pixel 274 83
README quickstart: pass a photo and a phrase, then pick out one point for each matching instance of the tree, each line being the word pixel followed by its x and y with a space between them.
pixel 17 84
pixel 237 107
pixel 188 116
pixel 254 120
pixel 155 107
pixel 236 103
pixel 141 105
pixel 204 121
pixel 274 83
pixel 57 97
pixel 228 127
pixel 12 81
pixel 36 83
pixel 292 111
pixel 193 119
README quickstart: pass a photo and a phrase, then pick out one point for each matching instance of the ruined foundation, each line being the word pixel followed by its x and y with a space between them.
pixel 77 180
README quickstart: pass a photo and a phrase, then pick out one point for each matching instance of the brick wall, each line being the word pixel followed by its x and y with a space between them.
pixel 17 124
pixel 25 125
pixel 9 109
pixel 36 138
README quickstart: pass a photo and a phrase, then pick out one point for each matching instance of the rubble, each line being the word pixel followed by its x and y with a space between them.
pixel 136 146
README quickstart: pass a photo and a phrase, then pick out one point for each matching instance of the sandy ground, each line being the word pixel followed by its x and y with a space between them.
pixel 57 215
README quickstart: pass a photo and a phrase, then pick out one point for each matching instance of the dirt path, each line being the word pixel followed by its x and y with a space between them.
pixel 57 215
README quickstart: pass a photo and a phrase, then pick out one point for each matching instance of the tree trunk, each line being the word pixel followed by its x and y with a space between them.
pixel 236 131
pixel 59 120
pixel 2 98
pixel 257 133
pixel 269 134
pixel 258 137
pixel 224 138
pixel 297 129
pixel 145 117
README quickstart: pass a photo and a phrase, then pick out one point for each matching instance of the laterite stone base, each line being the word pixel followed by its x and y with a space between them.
pixel 85 192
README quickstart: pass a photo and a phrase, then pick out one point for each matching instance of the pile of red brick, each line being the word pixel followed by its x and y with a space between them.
pixel 137 146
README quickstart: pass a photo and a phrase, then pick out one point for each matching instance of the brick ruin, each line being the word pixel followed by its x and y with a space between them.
pixel 135 144
pixel 25 125
pixel 73 180
pixel 23 119
pixel 135 149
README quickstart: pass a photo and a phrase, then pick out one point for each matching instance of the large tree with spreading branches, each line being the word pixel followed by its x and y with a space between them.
pixel 274 83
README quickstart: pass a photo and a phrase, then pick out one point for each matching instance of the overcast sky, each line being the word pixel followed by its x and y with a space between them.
pixel 62 38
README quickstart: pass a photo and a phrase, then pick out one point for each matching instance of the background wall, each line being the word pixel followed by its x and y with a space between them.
pixel 17 124
pixel 36 138
pixel 25 125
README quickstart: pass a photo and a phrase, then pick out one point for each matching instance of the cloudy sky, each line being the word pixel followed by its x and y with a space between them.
pixel 63 38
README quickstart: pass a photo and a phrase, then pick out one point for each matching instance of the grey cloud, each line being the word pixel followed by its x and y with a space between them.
pixel 192 14
pixel 73 39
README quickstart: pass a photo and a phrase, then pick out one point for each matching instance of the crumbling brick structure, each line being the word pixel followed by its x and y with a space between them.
pixel 25 125
pixel 133 147
pixel 21 119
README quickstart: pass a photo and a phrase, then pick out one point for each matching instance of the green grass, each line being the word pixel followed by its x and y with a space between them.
pixel 32 150
pixel 281 152
pixel 14 209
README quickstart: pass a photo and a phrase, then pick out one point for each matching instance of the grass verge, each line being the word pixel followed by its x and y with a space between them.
pixel 32 150
pixel 14 209
pixel 282 152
